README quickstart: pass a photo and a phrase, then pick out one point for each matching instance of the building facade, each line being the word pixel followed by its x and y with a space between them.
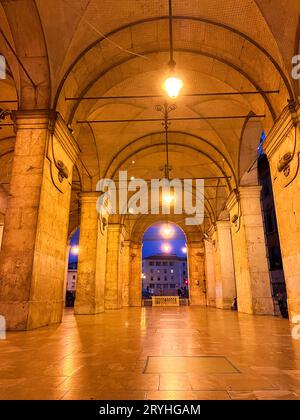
pixel 164 274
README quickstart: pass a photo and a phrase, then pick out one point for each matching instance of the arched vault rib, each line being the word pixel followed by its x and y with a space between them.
pixel 164 50
pixel 141 225
pixel 194 19
pixel 161 144
pixel 171 132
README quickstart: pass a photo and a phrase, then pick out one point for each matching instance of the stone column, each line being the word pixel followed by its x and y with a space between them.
pixel 250 254
pixel 32 258
pixel 225 276
pixel 135 289
pixel 210 274
pixel 196 273
pixel 282 147
pixel 113 281
pixel 91 259
pixel 125 272
pixel 1 233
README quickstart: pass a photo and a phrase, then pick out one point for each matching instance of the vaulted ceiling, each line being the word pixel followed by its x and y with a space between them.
pixel 82 48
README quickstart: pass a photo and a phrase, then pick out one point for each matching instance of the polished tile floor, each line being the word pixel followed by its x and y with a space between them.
pixel 153 353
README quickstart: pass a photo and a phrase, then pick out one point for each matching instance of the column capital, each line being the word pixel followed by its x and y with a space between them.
pixel 135 245
pixel 89 197
pixel 115 227
pixel 249 191
pixel 196 245
pixel 223 224
pixel 288 119
pixel 35 119
pixel 232 200
pixel 45 119
pixel 252 191
pixel 63 134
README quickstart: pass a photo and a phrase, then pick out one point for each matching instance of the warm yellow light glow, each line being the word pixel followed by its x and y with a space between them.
pixel 173 86
pixel 167 231
pixel 166 248
pixel 75 250
pixel 168 198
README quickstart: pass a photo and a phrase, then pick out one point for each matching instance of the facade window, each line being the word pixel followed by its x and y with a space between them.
pixel 158 263
pixel 74 277
pixel 165 263
pixel 166 286
pixel 171 264
pixel 158 278
pixel 152 271
pixel 152 279
pixel 166 271
pixel 172 271
pixel 172 277
pixel 166 278
pixel 151 263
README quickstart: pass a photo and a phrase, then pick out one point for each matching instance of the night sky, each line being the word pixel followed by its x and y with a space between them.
pixel 154 240
pixel 152 243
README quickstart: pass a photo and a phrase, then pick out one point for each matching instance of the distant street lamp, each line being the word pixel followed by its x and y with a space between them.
pixel 167 231
pixel 166 248
pixel 75 250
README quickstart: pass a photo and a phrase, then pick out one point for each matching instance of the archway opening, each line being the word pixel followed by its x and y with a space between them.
pixel 165 262
pixel 72 269
pixel 277 277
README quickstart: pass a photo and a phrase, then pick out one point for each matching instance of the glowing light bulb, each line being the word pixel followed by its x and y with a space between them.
pixel 167 231
pixel 173 86
pixel 75 250
pixel 166 248
pixel 168 198
pixel 184 250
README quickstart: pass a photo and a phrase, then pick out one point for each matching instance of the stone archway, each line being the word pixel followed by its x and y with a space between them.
pixel 195 253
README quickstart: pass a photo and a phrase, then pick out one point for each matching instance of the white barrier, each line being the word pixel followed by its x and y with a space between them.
pixel 165 301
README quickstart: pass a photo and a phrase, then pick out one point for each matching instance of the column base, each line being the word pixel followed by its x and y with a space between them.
pixel 24 316
pixel 258 306
pixel 294 310
pixel 225 304
pixel 211 303
pixel 85 309
pixel 112 307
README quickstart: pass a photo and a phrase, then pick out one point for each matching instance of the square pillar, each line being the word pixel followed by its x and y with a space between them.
pixel 250 253
pixel 210 273
pixel 91 259
pixel 196 274
pixel 125 272
pixel 282 147
pixel 113 281
pixel 32 258
pixel 225 275
pixel 135 287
